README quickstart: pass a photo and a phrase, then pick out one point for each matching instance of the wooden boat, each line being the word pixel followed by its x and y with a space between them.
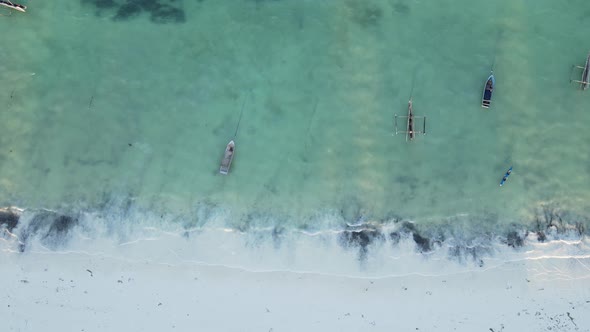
pixel 410 124
pixel 486 99
pixel 14 6
pixel 228 156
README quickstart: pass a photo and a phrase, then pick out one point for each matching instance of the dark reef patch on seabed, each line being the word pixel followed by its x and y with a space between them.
pixel 401 8
pixel 160 11
pixel 365 13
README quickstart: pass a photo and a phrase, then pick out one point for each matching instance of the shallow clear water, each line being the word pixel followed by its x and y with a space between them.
pixel 131 115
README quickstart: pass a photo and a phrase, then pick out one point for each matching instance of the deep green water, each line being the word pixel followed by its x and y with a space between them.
pixel 142 107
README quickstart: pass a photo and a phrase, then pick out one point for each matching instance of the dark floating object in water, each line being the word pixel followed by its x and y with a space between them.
pixel 486 99
pixel 228 156
pixel 585 82
pixel 506 176
pixel 411 123
pixel 14 6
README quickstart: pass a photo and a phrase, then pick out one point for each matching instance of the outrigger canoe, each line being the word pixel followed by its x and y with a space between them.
pixel 14 6
pixel 506 176
pixel 412 122
pixel 228 156
pixel 585 82
pixel 486 99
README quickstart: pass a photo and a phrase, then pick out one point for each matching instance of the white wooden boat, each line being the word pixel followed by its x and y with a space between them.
pixel 7 3
pixel 228 157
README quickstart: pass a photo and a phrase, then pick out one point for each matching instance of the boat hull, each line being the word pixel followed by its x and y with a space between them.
pixel 228 157
pixel 14 6
pixel 410 128
pixel 586 74
pixel 486 99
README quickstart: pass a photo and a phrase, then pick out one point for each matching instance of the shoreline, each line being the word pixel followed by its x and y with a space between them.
pixel 396 248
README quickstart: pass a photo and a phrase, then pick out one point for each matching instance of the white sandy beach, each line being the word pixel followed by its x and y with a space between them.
pixel 61 291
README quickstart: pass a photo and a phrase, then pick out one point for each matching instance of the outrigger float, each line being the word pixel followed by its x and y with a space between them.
pixel 14 6
pixel 411 124
pixel 585 74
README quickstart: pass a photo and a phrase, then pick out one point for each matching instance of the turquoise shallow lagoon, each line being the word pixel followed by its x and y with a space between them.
pixel 111 104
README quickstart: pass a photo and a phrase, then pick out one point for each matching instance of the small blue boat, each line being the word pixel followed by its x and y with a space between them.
pixel 486 99
pixel 506 176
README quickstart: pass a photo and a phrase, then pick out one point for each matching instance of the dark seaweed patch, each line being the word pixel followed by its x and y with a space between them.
pixel 248 220
pixel 277 234
pixel 464 253
pixel 51 227
pixel 127 11
pixel 163 14
pixel 514 240
pixel 422 243
pixel 361 239
pixel 365 14
pixel 394 237
pixel 159 11
pixel 401 8
pixel 9 219
pixel 552 218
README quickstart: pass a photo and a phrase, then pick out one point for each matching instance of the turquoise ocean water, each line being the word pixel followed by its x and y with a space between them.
pixel 122 109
